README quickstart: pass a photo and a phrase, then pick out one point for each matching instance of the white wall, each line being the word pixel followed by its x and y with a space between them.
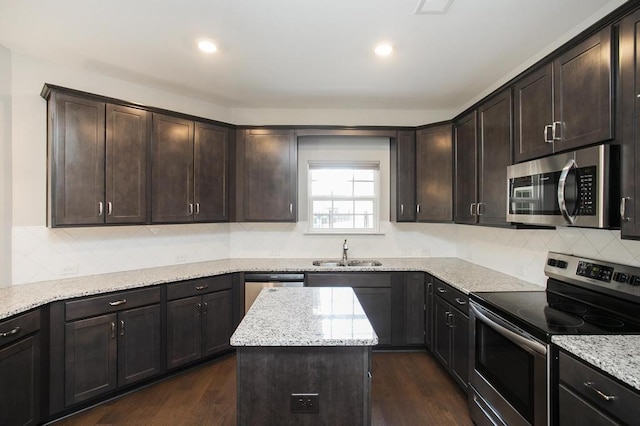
pixel 5 166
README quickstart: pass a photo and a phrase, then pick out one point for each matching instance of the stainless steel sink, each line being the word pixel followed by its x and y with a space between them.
pixel 335 263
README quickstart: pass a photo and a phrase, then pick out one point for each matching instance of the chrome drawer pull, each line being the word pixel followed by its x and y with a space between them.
pixel 460 301
pixel 122 328
pixel 11 332
pixel 441 290
pixel 591 386
pixel 118 302
pixel 202 287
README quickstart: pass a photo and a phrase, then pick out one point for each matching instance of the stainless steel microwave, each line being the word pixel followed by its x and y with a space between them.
pixel 577 188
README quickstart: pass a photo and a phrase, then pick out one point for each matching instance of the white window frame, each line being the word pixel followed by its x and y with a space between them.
pixel 363 165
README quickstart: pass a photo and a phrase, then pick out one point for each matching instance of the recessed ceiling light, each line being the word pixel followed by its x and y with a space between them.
pixel 207 46
pixel 384 49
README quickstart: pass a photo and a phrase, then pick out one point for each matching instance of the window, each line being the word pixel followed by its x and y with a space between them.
pixel 343 197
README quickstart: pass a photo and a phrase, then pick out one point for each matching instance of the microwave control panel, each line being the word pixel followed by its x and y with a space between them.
pixel 587 187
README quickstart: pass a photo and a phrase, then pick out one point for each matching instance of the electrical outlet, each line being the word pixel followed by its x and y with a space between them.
pixel 520 269
pixel 70 269
pixel 305 403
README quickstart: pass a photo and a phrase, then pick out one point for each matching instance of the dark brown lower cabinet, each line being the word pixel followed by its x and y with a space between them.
pixel 415 308
pixel 20 370
pixel 105 352
pixel 451 331
pixel 201 324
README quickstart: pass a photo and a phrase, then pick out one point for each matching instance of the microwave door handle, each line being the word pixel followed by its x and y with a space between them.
pixel 561 190
pixel 511 335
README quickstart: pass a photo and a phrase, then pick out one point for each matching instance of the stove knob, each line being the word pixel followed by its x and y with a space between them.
pixel 561 264
pixel 634 280
pixel 552 262
pixel 620 277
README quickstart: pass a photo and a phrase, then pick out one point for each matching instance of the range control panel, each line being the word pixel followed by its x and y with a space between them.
pixel 581 271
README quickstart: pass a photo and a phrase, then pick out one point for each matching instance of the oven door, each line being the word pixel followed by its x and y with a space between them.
pixel 508 373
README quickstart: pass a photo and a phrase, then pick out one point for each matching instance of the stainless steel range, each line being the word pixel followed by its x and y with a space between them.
pixel 512 362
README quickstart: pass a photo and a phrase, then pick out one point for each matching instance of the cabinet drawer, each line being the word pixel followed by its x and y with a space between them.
pixel 349 279
pixel 198 286
pixel 577 376
pixel 454 297
pixel 19 326
pixel 92 306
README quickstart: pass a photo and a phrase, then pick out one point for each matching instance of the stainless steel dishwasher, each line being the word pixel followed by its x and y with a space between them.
pixel 254 283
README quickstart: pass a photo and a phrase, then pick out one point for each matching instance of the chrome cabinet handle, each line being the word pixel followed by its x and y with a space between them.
pixel 442 290
pixel 100 208
pixel 290 208
pixel 109 208
pixel 473 209
pixel 206 308
pixel 555 135
pixel 122 327
pixel 118 302
pixel 480 209
pixel 562 182
pixel 11 332
pixel 460 301
pixel 592 387
pixel 197 208
pixel 113 330
pixel 202 287
pixel 546 133
pixel 623 209
pixel 199 309
pixel 417 208
pixel 190 208
pixel 401 209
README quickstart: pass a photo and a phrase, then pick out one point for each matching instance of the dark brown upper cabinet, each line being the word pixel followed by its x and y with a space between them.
pixel 466 170
pixel 403 177
pixel 267 175
pixel 189 171
pixel 495 135
pixel 97 162
pixel 567 103
pixel 630 110
pixel 434 174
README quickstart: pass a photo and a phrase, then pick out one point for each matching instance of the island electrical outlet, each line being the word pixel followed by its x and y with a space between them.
pixel 305 403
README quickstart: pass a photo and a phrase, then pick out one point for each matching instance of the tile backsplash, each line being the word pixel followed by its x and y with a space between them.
pixel 40 253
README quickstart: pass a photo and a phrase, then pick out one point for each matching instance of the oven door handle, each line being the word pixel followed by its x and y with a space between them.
pixel 562 182
pixel 511 335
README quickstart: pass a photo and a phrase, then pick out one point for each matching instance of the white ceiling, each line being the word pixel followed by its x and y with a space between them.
pixel 297 53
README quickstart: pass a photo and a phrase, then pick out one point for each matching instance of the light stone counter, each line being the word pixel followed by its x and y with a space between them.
pixel 463 275
pixel 327 316
pixel 617 355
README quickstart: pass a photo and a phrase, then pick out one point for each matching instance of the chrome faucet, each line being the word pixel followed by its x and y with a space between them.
pixel 345 247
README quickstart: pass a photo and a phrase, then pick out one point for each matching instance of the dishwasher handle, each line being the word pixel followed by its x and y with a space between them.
pixel 272 277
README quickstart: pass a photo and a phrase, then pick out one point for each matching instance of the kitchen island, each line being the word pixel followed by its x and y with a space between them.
pixel 304 358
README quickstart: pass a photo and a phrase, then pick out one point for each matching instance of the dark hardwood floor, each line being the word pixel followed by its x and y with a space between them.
pixel 409 388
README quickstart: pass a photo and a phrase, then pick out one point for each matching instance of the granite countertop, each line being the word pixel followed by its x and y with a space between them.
pixel 618 355
pixel 462 275
pixel 307 316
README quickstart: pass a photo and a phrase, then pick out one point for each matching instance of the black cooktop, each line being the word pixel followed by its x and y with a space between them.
pixel 545 313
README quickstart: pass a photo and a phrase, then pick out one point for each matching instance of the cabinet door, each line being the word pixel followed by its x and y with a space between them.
pixel 460 347
pixel 139 344
pixel 494 121
pixel 20 382
pixel 434 174
pixel 583 103
pixel 90 358
pixel 211 183
pixel 466 173
pixel 184 342
pixel 403 177
pixel 270 178
pixel 217 322
pixel 415 308
pixel 376 303
pixel 172 170
pixel 429 309
pixel 77 176
pixel 533 99
pixel 127 148
pixel 630 149
pixel 441 331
